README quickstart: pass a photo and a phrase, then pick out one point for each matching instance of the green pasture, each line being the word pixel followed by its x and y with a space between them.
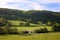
pixel 28 27
pixel 34 36
pixel 46 36
pixel 31 28
pixel 14 22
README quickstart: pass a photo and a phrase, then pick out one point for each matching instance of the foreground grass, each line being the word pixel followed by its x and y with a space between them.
pixel 46 36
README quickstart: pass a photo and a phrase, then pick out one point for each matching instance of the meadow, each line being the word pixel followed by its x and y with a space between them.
pixel 33 36
pixel 43 36
pixel 28 28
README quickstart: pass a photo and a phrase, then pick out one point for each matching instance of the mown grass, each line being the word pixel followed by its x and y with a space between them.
pixel 46 36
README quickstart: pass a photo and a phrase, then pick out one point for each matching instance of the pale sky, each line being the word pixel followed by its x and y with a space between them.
pixel 51 5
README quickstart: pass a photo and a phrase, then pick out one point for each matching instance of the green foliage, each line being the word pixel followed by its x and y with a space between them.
pixel 49 23
pixel 41 30
pixel 8 30
pixel 27 24
pixel 1 30
pixel 56 28
pixel 34 15
pixel 21 24
pixel 12 31
pixel 3 22
pixel 39 23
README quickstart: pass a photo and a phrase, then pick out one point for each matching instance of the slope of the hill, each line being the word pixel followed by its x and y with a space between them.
pixel 33 16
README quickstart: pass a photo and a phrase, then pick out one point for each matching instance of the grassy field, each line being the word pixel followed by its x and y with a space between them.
pixel 31 28
pixel 14 22
pixel 46 36
pixel 33 36
pixel 27 28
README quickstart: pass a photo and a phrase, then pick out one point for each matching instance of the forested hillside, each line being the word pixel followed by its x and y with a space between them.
pixel 33 16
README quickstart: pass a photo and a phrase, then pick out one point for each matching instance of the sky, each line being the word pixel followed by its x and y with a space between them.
pixel 51 5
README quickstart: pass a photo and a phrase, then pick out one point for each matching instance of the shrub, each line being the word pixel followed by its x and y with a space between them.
pixel 27 24
pixel 9 30
pixel 41 30
pixel 44 30
pixel 56 28
pixel 21 24
pixel 1 31
pixel 12 31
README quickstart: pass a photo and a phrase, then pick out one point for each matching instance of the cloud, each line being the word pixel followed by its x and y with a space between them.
pixel 3 3
pixel 15 4
pixel 51 1
pixel 31 4
pixel 36 6
pixel 52 5
pixel 47 1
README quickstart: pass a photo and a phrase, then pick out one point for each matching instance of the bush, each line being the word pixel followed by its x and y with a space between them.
pixel 21 24
pixel 5 30
pixel 12 31
pixel 27 24
pixel 56 28
pixel 41 30
pixel 1 31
